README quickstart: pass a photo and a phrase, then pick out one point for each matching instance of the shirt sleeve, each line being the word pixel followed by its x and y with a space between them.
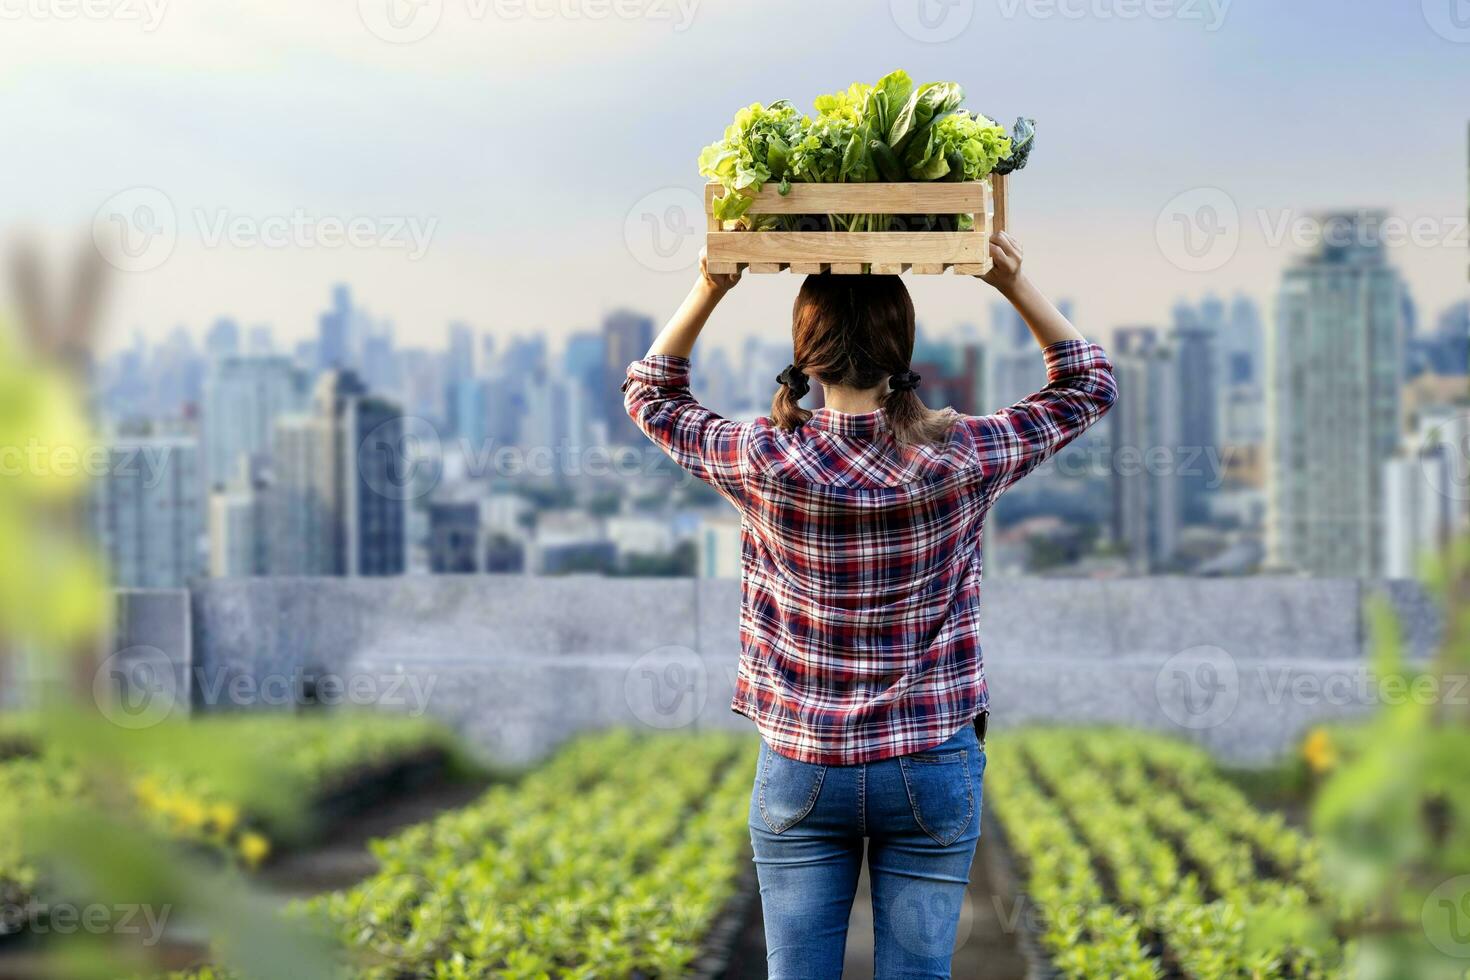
pixel 657 398
pixel 1079 390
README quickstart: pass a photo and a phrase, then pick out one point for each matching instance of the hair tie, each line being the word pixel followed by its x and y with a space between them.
pixel 904 381
pixel 794 379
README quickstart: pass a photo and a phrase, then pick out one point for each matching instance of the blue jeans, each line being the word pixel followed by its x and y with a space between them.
pixel 919 813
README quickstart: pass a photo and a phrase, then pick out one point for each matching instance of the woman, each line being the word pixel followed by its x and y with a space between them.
pixel 859 621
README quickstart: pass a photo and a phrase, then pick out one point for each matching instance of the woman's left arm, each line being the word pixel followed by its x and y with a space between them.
pixel 657 397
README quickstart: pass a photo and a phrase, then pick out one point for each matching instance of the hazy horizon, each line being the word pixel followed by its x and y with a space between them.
pixel 538 148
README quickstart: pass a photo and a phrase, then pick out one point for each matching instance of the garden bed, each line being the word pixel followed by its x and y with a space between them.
pixel 343 762
pixel 1141 861
pixel 647 875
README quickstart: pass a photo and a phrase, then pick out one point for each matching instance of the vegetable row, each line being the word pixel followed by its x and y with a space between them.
pixel 1144 862
pixel 613 860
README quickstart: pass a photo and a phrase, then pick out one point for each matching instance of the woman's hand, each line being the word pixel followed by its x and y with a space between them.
pixel 719 284
pixel 1047 324
pixel 679 334
pixel 1006 254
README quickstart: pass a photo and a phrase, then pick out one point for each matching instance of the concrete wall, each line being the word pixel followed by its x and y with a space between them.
pixel 519 664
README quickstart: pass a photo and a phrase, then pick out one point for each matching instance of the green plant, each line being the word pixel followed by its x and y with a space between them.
pixel 1126 836
pixel 891 130
pixel 521 885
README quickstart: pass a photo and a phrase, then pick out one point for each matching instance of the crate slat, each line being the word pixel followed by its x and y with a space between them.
pixel 916 247
pixel 923 197
pixel 850 253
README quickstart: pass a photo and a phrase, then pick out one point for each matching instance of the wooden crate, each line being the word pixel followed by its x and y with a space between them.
pixel 925 252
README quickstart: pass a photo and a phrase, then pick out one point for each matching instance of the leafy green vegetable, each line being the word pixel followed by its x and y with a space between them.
pixel 757 147
pixel 891 130
pixel 975 143
pixel 1023 138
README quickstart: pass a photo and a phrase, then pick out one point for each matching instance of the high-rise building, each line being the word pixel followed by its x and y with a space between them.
pixel 626 337
pixel 300 512
pixel 1195 340
pixel 239 532
pixel 454 537
pixel 371 475
pixel 243 397
pixel 1242 369
pixel 1336 370
pixel 340 481
pixel 1144 430
pixel 545 424
pixel 260 340
pixel 147 511
pixel 1426 491
pixel 223 339
pixel 1417 516
pixel 337 334
pixel 582 371
pixel 461 394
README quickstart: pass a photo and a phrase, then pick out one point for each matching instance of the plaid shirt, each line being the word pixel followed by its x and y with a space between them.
pixel 860 560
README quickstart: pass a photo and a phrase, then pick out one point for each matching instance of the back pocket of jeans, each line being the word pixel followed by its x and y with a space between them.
pixel 940 793
pixel 789 790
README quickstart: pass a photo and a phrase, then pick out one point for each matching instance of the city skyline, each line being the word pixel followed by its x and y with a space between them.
pixel 327 120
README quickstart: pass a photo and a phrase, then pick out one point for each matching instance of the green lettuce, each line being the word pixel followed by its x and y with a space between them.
pixel 890 130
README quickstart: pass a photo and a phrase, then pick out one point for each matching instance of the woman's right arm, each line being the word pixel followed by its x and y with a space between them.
pixel 1079 380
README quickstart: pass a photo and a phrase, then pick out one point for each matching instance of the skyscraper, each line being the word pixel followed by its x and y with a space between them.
pixel 337 334
pixel 461 395
pixel 626 337
pixel 223 339
pixel 147 512
pixel 243 397
pixel 340 483
pixel 1196 341
pixel 1336 370
pixel 1144 428
pixel 300 511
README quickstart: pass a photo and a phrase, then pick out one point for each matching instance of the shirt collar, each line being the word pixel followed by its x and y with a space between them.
pixel 845 424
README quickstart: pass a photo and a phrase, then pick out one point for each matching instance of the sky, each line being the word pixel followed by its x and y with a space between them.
pixel 528 165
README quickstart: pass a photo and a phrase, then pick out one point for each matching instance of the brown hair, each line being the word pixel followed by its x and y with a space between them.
pixel 858 331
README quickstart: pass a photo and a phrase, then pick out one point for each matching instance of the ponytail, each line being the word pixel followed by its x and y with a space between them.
pixel 786 410
pixel 791 386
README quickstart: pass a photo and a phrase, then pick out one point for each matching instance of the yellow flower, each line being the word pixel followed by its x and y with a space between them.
pixel 224 816
pixel 147 791
pixel 190 814
pixel 254 849
pixel 1318 751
